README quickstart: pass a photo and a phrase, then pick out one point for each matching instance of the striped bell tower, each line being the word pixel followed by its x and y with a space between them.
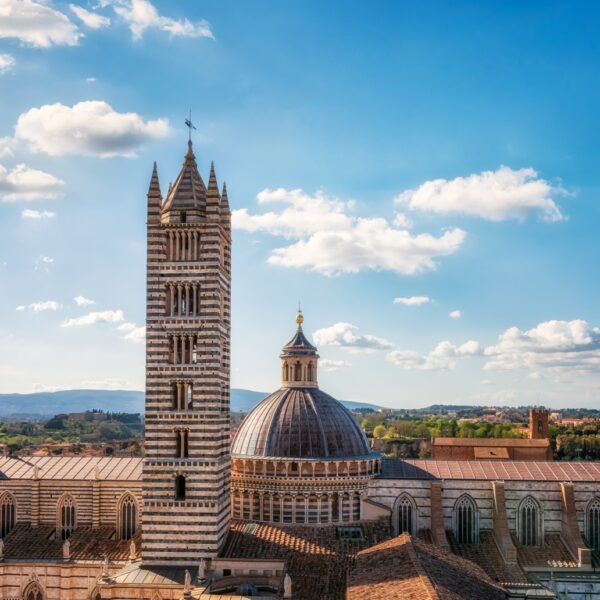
pixel 187 465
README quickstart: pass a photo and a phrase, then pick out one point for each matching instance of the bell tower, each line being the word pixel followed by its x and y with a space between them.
pixel 187 466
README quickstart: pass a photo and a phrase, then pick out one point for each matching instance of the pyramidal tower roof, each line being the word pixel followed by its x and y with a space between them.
pixel 188 192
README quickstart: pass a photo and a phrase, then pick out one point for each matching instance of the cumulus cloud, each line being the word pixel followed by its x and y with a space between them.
pixel 92 128
pixel 7 62
pixel 346 336
pixel 43 263
pixel 443 357
pixel 93 318
pixel 141 15
pixel 40 306
pixel 455 314
pixel 37 214
pixel 412 300
pixel 7 145
pixel 327 239
pixel 36 24
pixel 555 346
pixel 91 80
pixel 83 301
pixel 88 18
pixel 333 365
pixel 23 183
pixel 495 195
pixel 133 332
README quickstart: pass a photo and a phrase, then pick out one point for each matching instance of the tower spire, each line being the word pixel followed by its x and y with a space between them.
pixel 154 197
pixel 213 198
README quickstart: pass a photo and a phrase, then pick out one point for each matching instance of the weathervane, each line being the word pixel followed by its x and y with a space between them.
pixel 190 125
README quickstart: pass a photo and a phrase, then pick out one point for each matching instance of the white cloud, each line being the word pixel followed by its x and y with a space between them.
pixel 91 80
pixel 455 314
pixel 7 145
pixel 83 301
pixel 37 214
pixel 333 365
pixel 20 308
pixel 7 62
pixel 401 221
pixel 412 300
pixel 45 305
pixel 40 387
pixel 135 334
pixel 494 195
pixel 141 15
pixel 444 356
pixel 92 128
pixel 555 346
pixel 88 18
pixel 346 336
pixel 107 316
pixel 36 24
pixel 328 240
pixel 23 183
pixel 106 384
pixel 42 263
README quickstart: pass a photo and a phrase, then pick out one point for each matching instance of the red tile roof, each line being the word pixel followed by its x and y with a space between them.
pixel 491 470
pixel 71 468
pixel 405 568
pixel 504 442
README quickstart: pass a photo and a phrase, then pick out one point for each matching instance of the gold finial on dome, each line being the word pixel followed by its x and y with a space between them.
pixel 299 317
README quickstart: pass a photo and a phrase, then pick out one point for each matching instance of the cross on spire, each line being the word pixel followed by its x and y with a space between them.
pixel 190 126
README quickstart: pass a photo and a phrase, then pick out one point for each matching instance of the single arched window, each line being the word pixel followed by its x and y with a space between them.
pixel 298 372
pixel 7 514
pixel 405 515
pixel 310 372
pixel 593 523
pixel 466 526
pixel 66 517
pixel 529 522
pixel 33 592
pixel 127 517
pixel 180 487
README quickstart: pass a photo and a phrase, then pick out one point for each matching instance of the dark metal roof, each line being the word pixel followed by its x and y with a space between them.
pixel 299 343
pixel 300 423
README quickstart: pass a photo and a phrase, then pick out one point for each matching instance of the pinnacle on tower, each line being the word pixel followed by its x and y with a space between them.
pixel 154 197
pixel 224 199
pixel 213 198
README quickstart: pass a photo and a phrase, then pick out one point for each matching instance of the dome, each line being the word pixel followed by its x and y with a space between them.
pixel 300 422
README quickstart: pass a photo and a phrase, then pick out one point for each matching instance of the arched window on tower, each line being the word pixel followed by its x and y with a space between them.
pixel 127 512
pixel 298 371
pixel 466 526
pixel 180 488
pixel 190 399
pixel 66 516
pixel 7 514
pixel 593 523
pixel 310 372
pixel 33 592
pixel 529 522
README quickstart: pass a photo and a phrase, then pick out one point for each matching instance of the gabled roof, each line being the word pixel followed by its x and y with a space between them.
pixel 188 191
pixel 404 567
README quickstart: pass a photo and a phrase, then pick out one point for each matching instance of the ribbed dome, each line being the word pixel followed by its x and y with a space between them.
pixel 300 423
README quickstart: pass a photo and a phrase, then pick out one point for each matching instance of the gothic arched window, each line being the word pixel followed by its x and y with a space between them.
pixel 466 527
pixel 7 514
pixel 406 515
pixel 33 592
pixel 66 516
pixel 127 524
pixel 593 523
pixel 529 522
pixel 180 488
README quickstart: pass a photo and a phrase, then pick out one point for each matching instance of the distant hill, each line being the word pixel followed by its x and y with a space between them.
pixel 48 404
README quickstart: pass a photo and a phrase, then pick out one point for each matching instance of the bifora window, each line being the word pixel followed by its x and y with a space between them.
pixel 529 522
pixel 465 521
pixel 127 517
pixel 593 524
pixel 7 514
pixel 33 592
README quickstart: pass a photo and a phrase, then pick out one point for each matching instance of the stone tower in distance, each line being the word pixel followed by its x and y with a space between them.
pixel 187 465
pixel 538 424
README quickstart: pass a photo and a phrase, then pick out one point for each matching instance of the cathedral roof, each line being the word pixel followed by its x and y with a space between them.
pixel 300 423
pixel 188 191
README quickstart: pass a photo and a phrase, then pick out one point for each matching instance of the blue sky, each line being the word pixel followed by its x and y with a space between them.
pixel 444 155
